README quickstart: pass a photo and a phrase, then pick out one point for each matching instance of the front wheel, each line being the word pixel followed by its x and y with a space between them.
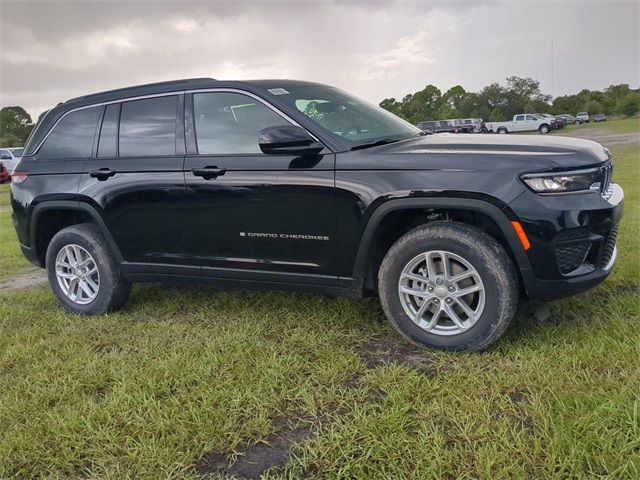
pixel 544 128
pixel 577 122
pixel 83 273
pixel 448 286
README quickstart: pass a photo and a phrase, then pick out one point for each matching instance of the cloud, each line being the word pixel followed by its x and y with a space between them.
pixel 52 51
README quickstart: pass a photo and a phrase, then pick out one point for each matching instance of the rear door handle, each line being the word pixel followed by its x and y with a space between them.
pixel 208 172
pixel 102 174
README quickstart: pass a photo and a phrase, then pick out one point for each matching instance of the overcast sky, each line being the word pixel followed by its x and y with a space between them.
pixel 52 51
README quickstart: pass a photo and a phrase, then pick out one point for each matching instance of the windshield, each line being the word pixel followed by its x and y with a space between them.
pixel 353 120
pixel 17 152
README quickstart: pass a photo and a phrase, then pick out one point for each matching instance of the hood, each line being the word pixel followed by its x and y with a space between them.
pixel 492 151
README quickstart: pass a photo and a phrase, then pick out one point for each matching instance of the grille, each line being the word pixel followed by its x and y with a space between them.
pixel 607 248
pixel 571 255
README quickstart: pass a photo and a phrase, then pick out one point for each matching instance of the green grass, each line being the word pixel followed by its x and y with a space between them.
pixel 184 371
pixel 11 260
pixel 613 126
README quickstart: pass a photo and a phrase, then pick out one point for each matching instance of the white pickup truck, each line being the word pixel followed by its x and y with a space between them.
pixel 525 122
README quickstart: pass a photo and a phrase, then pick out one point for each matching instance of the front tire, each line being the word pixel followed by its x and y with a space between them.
pixel 448 286
pixel 83 273
pixel 544 129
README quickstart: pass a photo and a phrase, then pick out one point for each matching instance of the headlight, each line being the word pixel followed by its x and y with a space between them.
pixel 576 181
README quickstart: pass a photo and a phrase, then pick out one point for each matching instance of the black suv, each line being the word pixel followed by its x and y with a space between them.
pixel 296 185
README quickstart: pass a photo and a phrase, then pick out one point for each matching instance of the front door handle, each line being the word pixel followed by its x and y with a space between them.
pixel 102 174
pixel 208 172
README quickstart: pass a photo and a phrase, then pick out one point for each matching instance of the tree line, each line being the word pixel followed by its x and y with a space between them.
pixel 497 102
pixel 494 102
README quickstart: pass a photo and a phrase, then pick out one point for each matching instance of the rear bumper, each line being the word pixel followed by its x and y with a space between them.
pixel 573 241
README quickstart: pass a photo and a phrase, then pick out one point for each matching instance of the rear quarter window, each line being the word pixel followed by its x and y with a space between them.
pixel 72 137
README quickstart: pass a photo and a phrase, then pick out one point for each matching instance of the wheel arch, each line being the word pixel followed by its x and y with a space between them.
pixel 50 217
pixel 498 216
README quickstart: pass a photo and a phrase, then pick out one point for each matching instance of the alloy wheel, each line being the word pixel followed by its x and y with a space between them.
pixel 77 274
pixel 441 292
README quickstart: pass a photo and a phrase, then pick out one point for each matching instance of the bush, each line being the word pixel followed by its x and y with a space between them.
pixel 629 105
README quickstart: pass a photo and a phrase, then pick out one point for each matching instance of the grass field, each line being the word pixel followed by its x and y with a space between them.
pixel 185 373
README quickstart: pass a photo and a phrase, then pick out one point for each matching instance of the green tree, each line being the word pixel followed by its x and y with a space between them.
pixel 593 107
pixel 629 105
pixel 15 126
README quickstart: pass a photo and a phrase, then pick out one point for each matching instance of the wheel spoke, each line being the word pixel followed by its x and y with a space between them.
pixel 421 310
pixel 414 277
pixel 462 276
pixel 454 317
pixel 431 267
pixel 416 293
pixel 466 308
pixel 466 291
pixel 445 266
pixel 434 320
pixel 85 288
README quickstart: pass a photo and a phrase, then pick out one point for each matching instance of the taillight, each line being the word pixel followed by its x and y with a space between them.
pixel 19 177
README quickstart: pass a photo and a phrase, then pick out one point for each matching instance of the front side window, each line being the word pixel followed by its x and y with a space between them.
pixel 148 127
pixel 229 123
pixel 350 120
pixel 73 136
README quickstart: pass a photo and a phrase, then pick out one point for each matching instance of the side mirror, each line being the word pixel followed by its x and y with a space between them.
pixel 288 140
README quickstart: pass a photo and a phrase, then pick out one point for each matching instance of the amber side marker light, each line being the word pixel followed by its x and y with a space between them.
pixel 521 235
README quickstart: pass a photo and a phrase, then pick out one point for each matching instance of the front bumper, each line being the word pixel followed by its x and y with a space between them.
pixel 573 240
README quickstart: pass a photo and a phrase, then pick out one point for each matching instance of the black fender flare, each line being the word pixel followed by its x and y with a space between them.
pixel 496 214
pixel 77 206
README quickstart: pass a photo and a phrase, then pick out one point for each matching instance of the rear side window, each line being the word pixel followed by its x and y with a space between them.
pixel 109 132
pixel 148 127
pixel 519 118
pixel 72 137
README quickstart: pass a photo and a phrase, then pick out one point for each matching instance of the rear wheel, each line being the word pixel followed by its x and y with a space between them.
pixel 82 272
pixel 577 122
pixel 502 130
pixel 448 286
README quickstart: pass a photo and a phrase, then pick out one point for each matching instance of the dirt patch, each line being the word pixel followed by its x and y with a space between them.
pixel 27 279
pixel 260 457
pixel 379 351
pixel 607 138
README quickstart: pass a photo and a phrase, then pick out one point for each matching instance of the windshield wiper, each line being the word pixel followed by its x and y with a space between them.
pixel 377 143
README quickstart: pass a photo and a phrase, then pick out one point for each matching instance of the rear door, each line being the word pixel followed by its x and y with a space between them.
pixel 273 214
pixel 135 178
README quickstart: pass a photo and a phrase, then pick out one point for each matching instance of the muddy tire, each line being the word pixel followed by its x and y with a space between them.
pixel 448 286
pixel 83 273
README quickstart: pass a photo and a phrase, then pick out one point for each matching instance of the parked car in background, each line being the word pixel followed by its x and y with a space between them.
pixel 10 157
pixel 437 126
pixel 600 117
pixel 554 123
pixel 4 174
pixel 524 122
pixel 582 117
pixel 567 117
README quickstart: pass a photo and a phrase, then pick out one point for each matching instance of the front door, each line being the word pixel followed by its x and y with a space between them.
pixel 255 216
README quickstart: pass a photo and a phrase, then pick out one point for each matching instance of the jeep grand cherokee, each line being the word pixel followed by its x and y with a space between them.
pixel 296 185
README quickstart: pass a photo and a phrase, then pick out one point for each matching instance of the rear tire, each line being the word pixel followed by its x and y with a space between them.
pixel 426 305
pixel 502 130
pixel 83 273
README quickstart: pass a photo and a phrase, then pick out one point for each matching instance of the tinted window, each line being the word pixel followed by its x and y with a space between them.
pixel 530 117
pixel 4 154
pixel 228 123
pixel 17 152
pixel 109 131
pixel 73 136
pixel 519 118
pixel 148 127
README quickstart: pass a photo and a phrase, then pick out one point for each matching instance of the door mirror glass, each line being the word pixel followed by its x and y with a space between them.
pixel 288 140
